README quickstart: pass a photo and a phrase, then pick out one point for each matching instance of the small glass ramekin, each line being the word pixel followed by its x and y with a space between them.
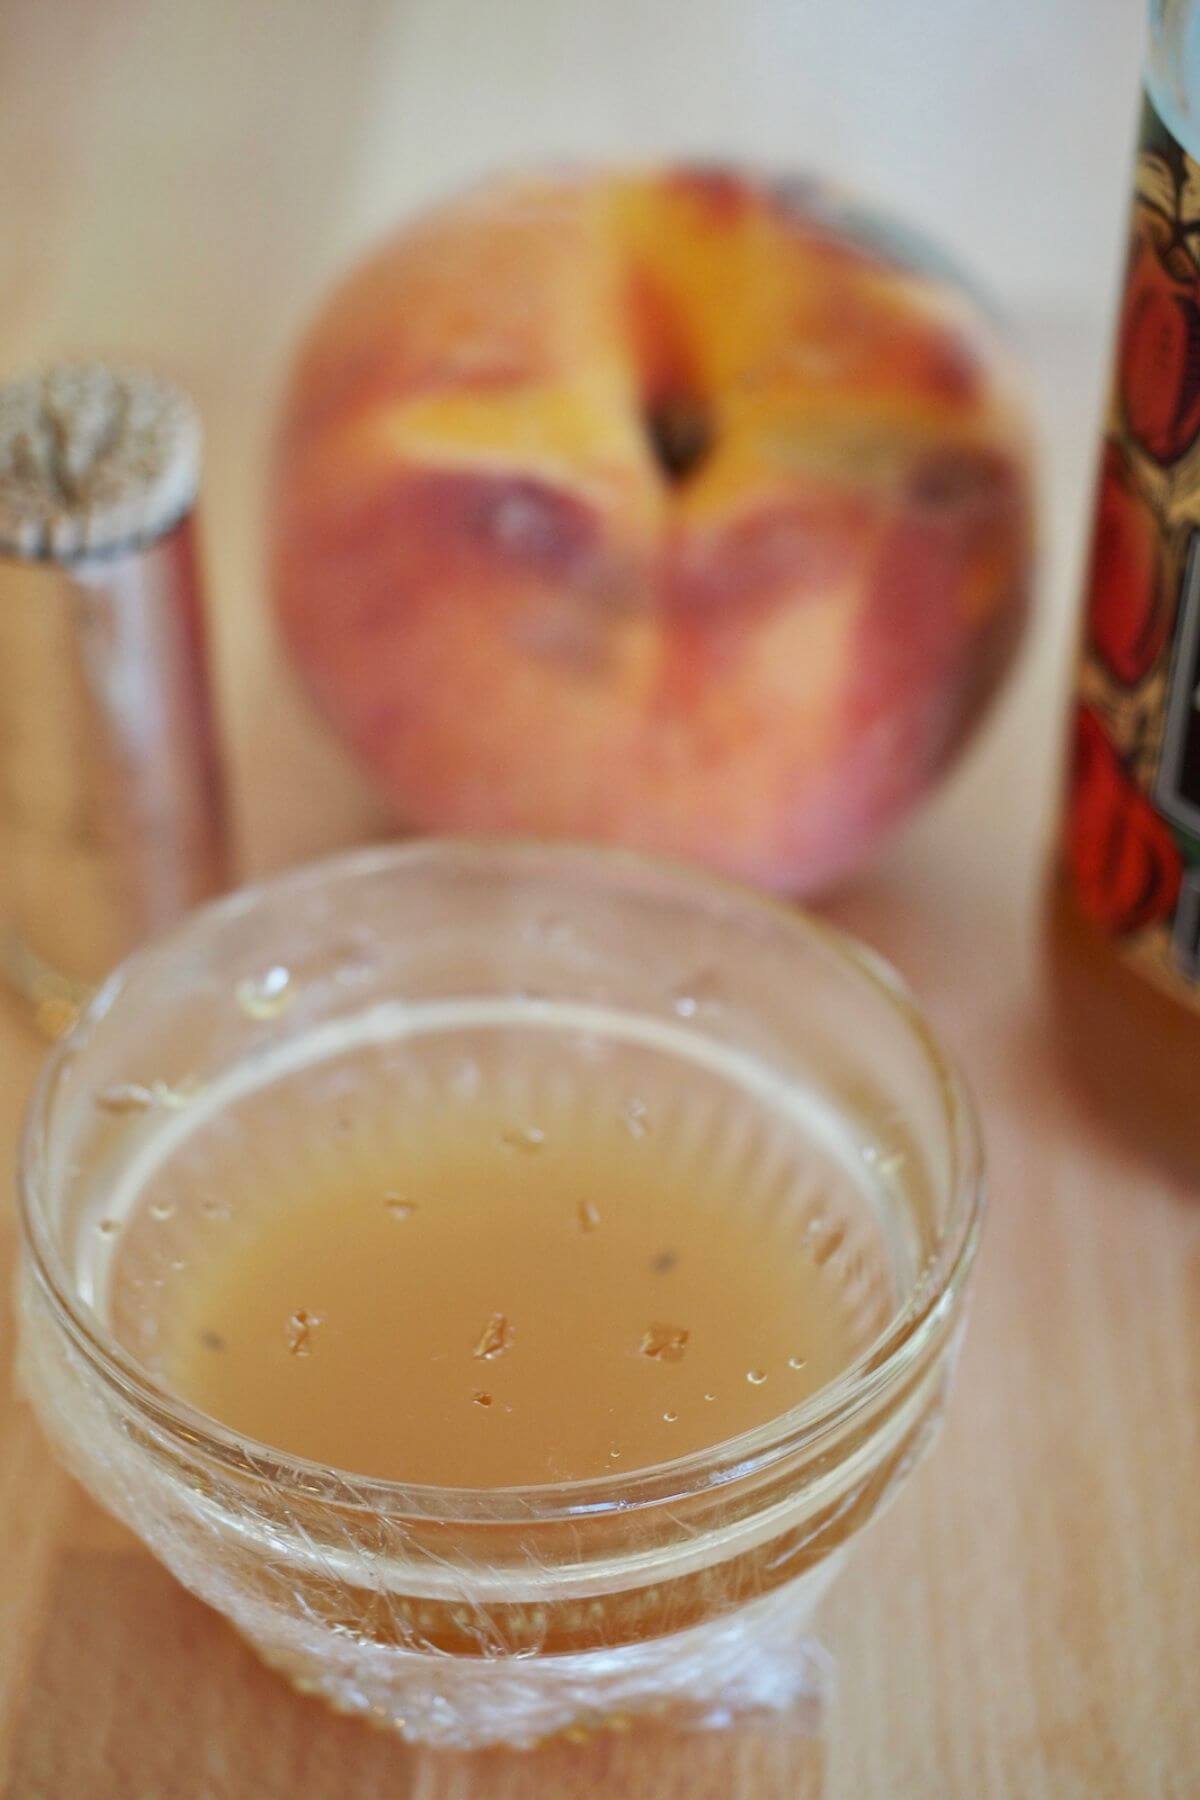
pixel 466 1617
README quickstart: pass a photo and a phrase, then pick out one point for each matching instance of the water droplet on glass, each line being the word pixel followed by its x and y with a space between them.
pixel 125 1097
pixel 887 1163
pixel 702 992
pixel 106 1227
pixel 664 1343
pixel 300 1328
pixel 528 1138
pixel 480 1398
pixel 398 1207
pixel 268 995
pixel 176 1095
pixel 140 1096
pixel 637 1118
pixel 588 1215
pixel 495 1338
pixel 797 1362
pixel 162 1210
pixel 669 1418
pixel 756 1377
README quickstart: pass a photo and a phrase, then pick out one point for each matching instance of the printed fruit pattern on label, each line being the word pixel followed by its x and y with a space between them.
pixel 1133 815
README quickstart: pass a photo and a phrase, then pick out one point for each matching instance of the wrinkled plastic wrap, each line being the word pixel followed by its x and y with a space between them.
pixel 322 1613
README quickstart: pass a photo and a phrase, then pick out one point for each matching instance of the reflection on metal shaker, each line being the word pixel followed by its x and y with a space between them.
pixel 111 809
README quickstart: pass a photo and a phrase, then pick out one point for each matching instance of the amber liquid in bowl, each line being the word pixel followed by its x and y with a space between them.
pixel 497 1257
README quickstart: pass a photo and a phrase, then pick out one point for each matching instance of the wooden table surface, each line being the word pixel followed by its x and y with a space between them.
pixel 177 183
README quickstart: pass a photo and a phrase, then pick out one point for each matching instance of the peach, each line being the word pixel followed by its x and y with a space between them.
pixel 675 508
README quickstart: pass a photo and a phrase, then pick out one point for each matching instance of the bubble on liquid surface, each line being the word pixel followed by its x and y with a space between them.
pixel 710 1396
pixel 107 1227
pixel 699 993
pixel 495 1338
pixel 636 1115
pixel 300 1328
pixel 268 995
pixel 398 1207
pixel 797 1362
pixel 588 1215
pixel 162 1210
pixel 212 1340
pixel 664 1262
pixel 480 1398
pixel 528 1138
pixel 669 1418
pixel 664 1343
pixel 140 1096
pixel 756 1377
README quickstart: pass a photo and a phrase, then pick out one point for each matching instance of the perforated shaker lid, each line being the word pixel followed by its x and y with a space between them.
pixel 93 460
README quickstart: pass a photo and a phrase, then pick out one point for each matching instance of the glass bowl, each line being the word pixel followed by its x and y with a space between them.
pixel 460 1616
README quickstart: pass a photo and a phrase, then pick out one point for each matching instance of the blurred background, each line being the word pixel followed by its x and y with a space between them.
pixel 180 182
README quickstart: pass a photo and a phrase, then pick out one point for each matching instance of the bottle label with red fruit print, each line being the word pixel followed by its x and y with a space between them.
pixel 1133 811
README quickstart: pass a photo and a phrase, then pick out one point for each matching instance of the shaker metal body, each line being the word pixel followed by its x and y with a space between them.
pixel 111 810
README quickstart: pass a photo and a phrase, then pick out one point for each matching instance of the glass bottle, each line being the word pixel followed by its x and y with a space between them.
pixel 1124 937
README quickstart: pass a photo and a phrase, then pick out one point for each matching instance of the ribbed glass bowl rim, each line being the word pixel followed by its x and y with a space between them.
pixel 804 1429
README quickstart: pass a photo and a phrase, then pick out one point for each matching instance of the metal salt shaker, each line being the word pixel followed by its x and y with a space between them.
pixel 111 811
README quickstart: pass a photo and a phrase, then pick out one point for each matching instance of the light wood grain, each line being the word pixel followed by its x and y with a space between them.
pixel 177 183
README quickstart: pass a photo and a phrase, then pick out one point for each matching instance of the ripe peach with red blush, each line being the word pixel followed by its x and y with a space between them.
pixel 679 509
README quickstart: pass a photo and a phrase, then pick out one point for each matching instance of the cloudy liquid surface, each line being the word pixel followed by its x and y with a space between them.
pixel 498 1256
